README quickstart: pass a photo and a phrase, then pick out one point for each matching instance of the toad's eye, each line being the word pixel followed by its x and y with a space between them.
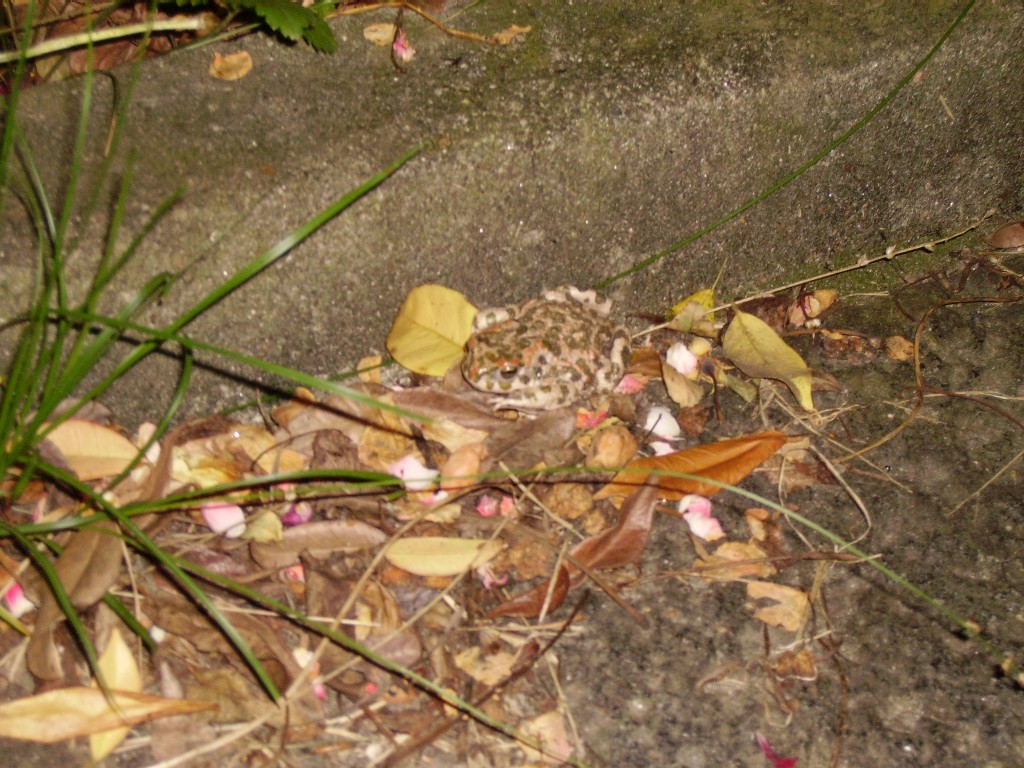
pixel 508 372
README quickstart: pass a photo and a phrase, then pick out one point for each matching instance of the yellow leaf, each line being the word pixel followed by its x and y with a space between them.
pixel 758 351
pixel 92 450
pixel 121 673
pixel 441 556
pixel 68 713
pixel 265 528
pixel 704 298
pixel 380 34
pixel 232 66
pixel 789 610
pixel 431 329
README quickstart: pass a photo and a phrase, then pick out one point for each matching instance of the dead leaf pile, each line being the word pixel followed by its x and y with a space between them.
pixel 414 537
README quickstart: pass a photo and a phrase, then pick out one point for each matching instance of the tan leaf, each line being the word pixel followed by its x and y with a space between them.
pixel 734 561
pixel 232 66
pixel 488 669
pixel 320 539
pixel 88 567
pixel 790 607
pixel 683 390
pixel 68 713
pixel 441 556
pixel 507 35
pixel 92 450
pixel 728 461
pixel 758 351
pixel 379 34
pixel 550 730
pixel 431 329
pixel 121 673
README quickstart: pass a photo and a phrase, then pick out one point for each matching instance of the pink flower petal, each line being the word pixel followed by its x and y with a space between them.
pixel 697 514
pixel 297 514
pixel 776 761
pixel 413 474
pixel 16 601
pixel 222 517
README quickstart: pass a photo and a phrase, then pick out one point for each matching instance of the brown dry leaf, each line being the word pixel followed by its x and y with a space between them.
pixel 88 567
pixel 613 548
pixel 232 66
pixel 507 35
pixel 320 538
pixel 68 713
pixel 625 543
pixel 800 665
pixel 91 450
pixel 490 669
pixel 531 602
pixel 789 610
pixel 734 561
pixel 727 461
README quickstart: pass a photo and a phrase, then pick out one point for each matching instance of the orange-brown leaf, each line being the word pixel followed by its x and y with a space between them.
pixel 531 602
pixel 727 461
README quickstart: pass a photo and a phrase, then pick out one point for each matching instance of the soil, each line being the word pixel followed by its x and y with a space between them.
pixel 905 688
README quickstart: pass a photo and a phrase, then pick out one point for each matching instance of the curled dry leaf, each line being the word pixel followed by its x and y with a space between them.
pixel 489 669
pixel 507 35
pixel 440 555
pixel 621 545
pixel 431 329
pixel 69 713
pixel 612 446
pixel 727 461
pixel 91 450
pixel 683 390
pixel 462 467
pixel 789 609
pixel 320 539
pixel 757 350
pixel 734 561
pixel 232 66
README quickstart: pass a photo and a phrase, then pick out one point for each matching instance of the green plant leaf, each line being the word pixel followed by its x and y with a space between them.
pixel 292 21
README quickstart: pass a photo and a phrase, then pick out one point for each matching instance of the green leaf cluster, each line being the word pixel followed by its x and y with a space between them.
pixel 286 17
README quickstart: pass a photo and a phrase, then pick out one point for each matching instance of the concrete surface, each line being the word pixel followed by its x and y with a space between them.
pixel 609 132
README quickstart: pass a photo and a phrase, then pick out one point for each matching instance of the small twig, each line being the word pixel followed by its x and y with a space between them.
pixel 524 666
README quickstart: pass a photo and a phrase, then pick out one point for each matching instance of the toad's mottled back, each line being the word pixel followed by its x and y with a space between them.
pixel 546 352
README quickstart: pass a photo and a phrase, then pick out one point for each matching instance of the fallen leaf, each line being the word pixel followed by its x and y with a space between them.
pixel 489 669
pixel 727 461
pixel 757 350
pixel 790 607
pixel 92 450
pixel 550 730
pixel 379 34
pixel 531 602
pixel 507 35
pixel 68 713
pixel 232 66
pixel 431 329
pixel 441 556
pixel 320 539
pixel 121 673
pixel 734 561
pixel 87 568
